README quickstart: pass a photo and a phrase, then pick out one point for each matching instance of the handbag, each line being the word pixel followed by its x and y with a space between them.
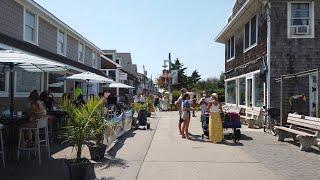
pixel 185 115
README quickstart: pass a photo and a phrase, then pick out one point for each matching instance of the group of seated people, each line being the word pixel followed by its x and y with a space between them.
pixel 37 108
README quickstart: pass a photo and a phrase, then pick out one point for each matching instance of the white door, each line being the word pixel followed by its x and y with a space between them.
pixel 313 97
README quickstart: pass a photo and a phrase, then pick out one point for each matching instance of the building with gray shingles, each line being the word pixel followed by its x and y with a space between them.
pixel 265 39
pixel 27 27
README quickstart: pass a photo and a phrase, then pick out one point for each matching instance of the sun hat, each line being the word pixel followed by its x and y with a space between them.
pixel 215 95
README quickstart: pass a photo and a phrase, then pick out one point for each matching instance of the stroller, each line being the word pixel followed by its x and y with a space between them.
pixel 232 120
pixel 142 120
pixel 205 124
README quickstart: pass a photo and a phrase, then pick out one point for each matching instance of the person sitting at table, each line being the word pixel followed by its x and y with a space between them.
pixel 79 101
pixel 35 111
pixel 47 100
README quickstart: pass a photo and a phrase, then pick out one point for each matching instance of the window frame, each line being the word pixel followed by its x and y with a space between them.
pixel 312 20
pixel 5 93
pixel 228 49
pixel 26 94
pixel 94 60
pixel 247 76
pixel 64 43
pixel 244 34
pixel 36 36
pixel 83 52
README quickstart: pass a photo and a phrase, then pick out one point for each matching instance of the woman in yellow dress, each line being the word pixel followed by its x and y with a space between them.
pixel 215 123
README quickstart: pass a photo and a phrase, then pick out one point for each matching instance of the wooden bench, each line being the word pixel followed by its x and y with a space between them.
pixel 304 128
pixel 252 117
pixel 231 108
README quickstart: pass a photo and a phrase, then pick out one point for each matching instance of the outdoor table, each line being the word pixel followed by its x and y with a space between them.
pixel 12 124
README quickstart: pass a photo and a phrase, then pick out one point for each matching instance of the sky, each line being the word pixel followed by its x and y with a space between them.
pixel 150 29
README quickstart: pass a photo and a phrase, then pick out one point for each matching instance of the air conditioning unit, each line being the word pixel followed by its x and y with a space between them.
pixel 300 30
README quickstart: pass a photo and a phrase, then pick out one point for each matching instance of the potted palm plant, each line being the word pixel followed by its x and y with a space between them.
pixel 98 127
pixel 79 131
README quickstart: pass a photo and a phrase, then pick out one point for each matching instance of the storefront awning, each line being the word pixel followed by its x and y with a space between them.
pixel 30 62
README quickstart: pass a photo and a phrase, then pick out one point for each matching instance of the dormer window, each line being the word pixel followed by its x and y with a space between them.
pixel 230 49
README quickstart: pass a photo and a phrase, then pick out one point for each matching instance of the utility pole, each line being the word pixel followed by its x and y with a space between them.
pixel 144 79
pixel 170 82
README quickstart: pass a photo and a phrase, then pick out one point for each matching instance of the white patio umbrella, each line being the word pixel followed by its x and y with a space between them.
pixel 89 77
pixel 28 62
pixel 120 86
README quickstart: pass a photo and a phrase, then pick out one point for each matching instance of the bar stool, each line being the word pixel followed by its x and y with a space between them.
pixel 41 129
pixel 2 149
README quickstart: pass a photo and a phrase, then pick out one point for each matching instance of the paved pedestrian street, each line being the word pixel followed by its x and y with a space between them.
pixel 162 154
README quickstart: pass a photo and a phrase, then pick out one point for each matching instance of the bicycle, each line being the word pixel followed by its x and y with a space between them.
pixel 271 119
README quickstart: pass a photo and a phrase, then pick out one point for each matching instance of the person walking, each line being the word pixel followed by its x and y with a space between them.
pixel 215 122
pixel 186 113
pixel 204 102
pixel 178 105
pixel 194 103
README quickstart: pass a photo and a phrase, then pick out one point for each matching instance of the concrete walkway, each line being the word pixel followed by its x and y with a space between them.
pixel 172 158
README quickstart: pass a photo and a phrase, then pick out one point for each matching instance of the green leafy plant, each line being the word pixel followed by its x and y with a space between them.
pixel 82 123
pixel 138 106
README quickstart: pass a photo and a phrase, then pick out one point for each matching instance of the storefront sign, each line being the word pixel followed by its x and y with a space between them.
pixel 123 76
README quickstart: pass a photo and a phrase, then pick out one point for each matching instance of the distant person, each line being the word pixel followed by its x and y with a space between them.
pixel 111 100
pixel 185 116
pixel 194 103
pixel 165 102
pixel 215 122
pixel 204 102
pixel 178 105
pixel 142 99
pixel 79 101
pixel 77 91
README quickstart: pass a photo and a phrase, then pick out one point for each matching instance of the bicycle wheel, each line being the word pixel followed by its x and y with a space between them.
pixel 272 127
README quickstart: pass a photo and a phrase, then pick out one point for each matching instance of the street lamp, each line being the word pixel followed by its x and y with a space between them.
pixel 170 80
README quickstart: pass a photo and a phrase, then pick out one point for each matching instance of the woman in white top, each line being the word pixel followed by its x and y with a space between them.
pixel 215 122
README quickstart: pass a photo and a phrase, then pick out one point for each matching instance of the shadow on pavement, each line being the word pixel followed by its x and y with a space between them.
pixel 120 142
pixel 312 150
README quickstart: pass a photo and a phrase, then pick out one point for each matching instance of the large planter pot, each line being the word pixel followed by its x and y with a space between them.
pixel 97 152
pixel 78 169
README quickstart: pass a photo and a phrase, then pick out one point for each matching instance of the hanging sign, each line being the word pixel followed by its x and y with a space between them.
pixel 123 76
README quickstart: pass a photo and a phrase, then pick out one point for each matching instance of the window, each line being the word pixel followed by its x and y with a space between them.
pixel 56 83
pixel 249 92
pixel 30 27
pixel 230 49
pixel 81 53
pixel 94 60
pixel 258 91
pixel 300 19
pixel 231 92
pixel 112 74
pixel 61 43
pixel 251 34
pixel 27 82
pixel 4 80
pixel 242 91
